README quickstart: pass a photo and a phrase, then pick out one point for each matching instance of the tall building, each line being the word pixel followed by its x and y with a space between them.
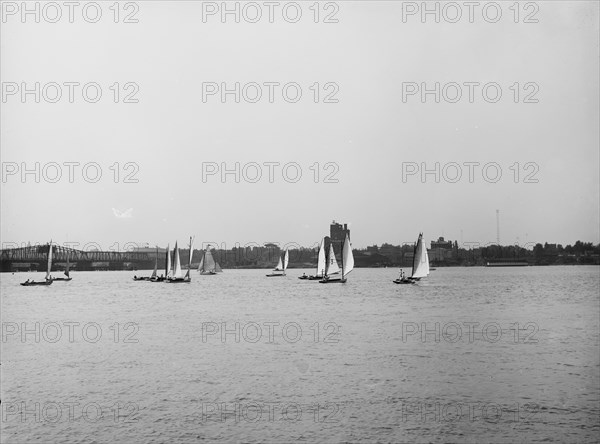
pixel 337 235
pixel 337 232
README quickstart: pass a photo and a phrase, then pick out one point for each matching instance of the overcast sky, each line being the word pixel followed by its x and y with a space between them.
pixel 369 58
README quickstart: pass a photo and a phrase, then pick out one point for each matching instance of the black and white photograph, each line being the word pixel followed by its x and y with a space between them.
pixel 310 221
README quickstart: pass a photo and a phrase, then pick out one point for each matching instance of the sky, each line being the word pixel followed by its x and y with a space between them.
pixel 351 148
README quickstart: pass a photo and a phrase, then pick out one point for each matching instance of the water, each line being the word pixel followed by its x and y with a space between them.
pixel 333 363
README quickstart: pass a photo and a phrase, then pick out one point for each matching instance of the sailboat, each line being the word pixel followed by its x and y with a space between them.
pixel 161 278
pixel 420 267
pixel 177 275
pixel 67 278
pixel 154 276
pixel 48 280
pixel 321 264
pixel 208 265
pixel 347 264
pixel 279 270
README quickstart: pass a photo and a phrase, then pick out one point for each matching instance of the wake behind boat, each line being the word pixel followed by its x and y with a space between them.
pixel 420 267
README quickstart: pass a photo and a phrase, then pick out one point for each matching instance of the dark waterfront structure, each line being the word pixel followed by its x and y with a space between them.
pixel 34 258
pixel 337 235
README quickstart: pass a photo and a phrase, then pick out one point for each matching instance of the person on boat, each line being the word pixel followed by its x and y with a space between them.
pixel 134 276
pixel 303 275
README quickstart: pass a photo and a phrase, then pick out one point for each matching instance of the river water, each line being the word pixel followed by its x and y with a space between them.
pixel 467 355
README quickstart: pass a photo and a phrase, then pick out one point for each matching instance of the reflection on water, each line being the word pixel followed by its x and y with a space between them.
pixel 469 355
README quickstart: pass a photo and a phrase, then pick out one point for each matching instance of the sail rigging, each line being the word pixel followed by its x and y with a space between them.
pixel 332 265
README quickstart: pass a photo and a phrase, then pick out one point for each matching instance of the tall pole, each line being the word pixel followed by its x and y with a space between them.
pixel 498 227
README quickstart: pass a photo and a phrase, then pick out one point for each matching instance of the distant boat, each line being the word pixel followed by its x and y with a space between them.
pixel 48 280
pixel 279 270
pixel 420 267
pixel 507 263
pixel 177 275
pixel 66 272
pixel 347 264
pixel 208 265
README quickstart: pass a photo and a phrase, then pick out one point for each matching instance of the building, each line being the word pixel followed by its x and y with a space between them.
pixel 441 250
pixel 337 235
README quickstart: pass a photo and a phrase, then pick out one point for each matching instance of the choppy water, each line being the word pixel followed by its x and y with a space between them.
pixel 310 363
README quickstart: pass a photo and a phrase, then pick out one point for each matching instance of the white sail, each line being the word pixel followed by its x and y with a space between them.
pixel 279 266
pixel 168 272
pixel 177 273
pixel 332 265
pixel 421 260
pixel 49 260
pixel 321 259
pixel 286 259
pixel 348 263
pixel 209 261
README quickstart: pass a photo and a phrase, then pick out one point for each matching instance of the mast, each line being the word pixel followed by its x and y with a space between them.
pixel 343 245
pixel 67 269
pixel 49 260
pixel 187 274
pixel 168 262
pixel 414 257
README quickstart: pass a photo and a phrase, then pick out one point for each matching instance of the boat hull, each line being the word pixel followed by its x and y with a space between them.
pixel 332 281
pixel 31 284
pixel 405 281
pixel 62 279
pixel 178 281
pixel 275 275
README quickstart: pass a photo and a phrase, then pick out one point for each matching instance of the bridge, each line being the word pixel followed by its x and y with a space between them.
pixel 32 258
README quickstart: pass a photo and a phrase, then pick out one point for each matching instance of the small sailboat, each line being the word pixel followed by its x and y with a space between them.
pixel 208 265
pixel 48 280
pixel 420 267
pixel 161 278
pixel 66 272
pixel 279 270
pixel 333 268
pixel 321 264
pixel 177 275
pixel 152 277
